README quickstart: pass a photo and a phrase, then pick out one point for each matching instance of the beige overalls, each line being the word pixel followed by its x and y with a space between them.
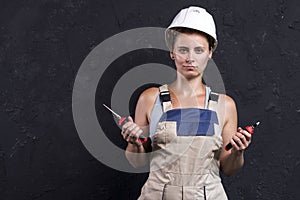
pixel 184 162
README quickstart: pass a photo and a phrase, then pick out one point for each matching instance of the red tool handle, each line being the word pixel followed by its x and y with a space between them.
pixel 250 129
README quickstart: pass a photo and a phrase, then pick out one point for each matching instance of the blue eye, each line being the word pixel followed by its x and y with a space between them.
pixel 183 50
pixel 199 50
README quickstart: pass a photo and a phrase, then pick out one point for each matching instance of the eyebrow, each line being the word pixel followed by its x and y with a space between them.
pixel 198 47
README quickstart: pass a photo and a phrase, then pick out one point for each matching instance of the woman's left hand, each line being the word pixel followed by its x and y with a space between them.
pixel 241 140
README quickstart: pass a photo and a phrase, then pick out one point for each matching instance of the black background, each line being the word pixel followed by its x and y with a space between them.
pixel 43 43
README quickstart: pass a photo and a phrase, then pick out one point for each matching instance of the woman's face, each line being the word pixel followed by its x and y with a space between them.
pixel 191 53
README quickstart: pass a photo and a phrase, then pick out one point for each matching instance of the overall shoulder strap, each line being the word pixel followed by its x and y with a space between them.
pixel 165 98
pixel 213 101
pixel 213 105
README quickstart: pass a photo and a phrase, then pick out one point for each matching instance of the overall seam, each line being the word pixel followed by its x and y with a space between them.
pixel 204 192
pixel 163 192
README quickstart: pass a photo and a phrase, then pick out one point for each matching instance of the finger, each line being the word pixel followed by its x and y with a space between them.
pixel 125 126
pixel 126 137
pixel 140 131
pixel 132 139
pixel 129 140
pixel 137 131
pixel 128 123
pixel 234 144
pixel 131 128
pixel 248 136
pixel 242 137
pixel 239 134
pixel 245 133
pixel 128 127
pixel 133 133
pixel 130 119
pixel 123 134
pixel 135 136
pixel 239 142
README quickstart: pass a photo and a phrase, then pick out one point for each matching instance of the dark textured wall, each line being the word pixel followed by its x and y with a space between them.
pixel 43 43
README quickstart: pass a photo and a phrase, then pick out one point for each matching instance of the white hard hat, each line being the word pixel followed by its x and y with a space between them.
pixel 196 18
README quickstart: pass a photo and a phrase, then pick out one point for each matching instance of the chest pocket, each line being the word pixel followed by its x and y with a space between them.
pixel 182 129
pixel 192 121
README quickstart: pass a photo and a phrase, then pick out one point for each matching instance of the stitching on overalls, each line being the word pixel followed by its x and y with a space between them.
pixel 163 192
pixel 204 192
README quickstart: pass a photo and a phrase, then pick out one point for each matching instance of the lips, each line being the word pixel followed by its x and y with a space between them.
pixel 190 67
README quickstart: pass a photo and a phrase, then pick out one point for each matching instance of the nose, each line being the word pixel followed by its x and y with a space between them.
pixel 189 59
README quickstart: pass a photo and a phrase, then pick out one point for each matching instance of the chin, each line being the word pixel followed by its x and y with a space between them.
pixel 191 75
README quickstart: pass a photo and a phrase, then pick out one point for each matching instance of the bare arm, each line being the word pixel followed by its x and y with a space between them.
pixel 233 160
pixel 131 130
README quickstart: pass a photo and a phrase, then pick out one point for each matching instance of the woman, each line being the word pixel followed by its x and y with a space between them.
pixel 189 125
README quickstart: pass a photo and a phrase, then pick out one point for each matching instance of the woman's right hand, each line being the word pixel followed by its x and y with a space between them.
pixel 131 132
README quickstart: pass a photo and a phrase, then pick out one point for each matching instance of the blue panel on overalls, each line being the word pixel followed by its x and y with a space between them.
pixel 192 121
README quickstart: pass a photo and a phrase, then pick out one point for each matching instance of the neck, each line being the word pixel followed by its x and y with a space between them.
pixel 188 87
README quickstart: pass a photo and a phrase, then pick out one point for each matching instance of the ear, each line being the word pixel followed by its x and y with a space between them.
pixel 210 53
pixel 172 55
